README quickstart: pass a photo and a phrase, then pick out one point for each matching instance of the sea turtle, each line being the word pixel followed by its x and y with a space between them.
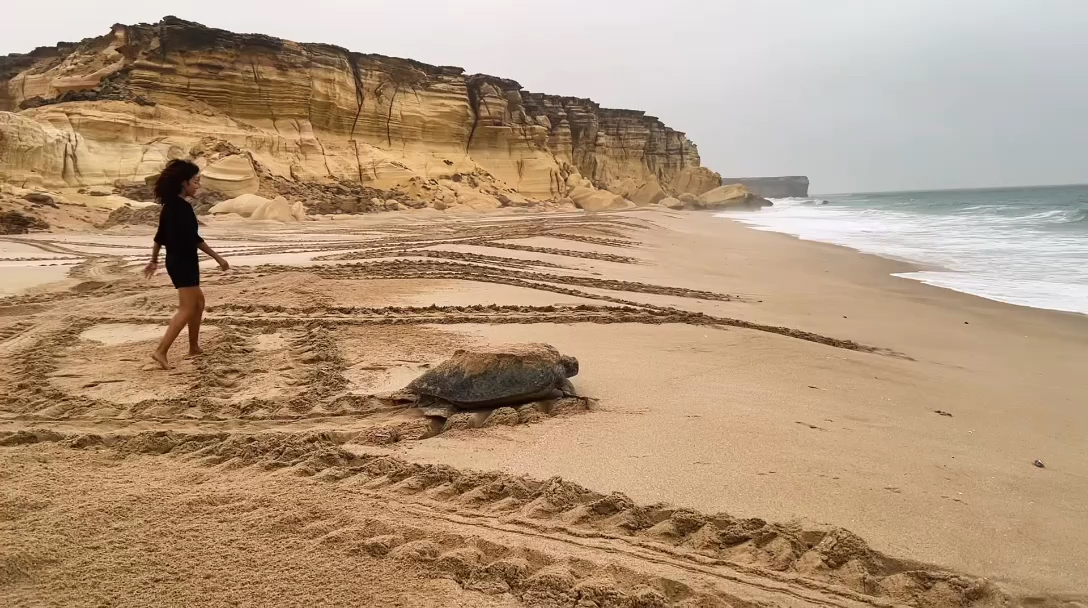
pixel 493 377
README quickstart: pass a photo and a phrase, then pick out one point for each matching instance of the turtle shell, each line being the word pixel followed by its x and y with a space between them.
pixel 494 375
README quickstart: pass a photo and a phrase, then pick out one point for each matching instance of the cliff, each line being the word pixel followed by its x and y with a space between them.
pixel 773 187
pixel 261 112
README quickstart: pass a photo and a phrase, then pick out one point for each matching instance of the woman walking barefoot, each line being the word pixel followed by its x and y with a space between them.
pixel 178 233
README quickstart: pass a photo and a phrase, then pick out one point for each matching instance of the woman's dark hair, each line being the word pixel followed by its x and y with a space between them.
pixel 176 173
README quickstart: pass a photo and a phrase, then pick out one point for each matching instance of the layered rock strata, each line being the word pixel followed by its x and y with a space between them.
pixel 258 111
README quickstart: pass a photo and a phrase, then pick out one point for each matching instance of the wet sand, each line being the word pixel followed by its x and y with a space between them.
pixel 730 370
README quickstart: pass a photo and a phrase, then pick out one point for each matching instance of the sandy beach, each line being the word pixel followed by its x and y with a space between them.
pixel 763 421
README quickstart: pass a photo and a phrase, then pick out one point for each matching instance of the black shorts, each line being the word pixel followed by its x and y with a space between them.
pixel 183 272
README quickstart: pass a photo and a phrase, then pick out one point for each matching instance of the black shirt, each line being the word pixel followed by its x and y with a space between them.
pixel 178 229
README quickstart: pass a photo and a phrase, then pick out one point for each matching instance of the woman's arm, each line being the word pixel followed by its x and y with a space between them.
pixel 153 265
pixel 203 246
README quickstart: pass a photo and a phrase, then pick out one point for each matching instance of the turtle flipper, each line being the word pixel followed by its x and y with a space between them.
pixel 567 388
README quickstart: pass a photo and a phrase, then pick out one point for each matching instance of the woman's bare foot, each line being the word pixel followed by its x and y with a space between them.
pixel 161 360
pixel 193 352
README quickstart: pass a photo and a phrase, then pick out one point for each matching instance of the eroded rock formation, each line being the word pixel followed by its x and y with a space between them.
pixel 723 198
pixel 260 111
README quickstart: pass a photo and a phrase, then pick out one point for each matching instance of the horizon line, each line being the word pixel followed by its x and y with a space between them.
pixel 954 189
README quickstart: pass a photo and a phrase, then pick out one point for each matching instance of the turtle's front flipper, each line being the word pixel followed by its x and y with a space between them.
pixel 567 388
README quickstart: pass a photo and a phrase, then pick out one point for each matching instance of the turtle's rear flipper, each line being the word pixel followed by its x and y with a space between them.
pixel 567 388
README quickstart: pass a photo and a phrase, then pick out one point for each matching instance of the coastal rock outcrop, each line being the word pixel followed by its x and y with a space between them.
pixel 733 196
pixel 772 187
pixel 695 180
pixel 261 112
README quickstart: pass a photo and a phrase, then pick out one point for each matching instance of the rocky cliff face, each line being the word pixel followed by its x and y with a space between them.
pixel 773 187
pixel 118 106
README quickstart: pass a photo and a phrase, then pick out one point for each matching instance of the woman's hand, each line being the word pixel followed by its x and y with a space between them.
pixel 150 269
pixel 223 265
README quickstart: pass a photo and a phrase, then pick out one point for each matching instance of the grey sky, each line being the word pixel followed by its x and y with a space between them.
pixel 857 94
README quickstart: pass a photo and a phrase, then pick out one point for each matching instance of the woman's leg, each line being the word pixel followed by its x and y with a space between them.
pixel 187 298
pixel 194 323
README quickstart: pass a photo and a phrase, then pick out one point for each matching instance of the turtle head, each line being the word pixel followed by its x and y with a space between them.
pixel 569 365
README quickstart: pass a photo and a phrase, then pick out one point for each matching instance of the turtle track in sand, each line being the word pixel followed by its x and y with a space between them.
pixel 268 315
pixel 361 419
pixel 589 255
pixel 468 267
pixel 546 542
pixel 432 269
pixel 477 258
pixel 256 315
pixel 14 330
pixel 319 398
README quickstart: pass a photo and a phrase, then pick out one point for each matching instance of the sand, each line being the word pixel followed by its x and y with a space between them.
pixel 782 396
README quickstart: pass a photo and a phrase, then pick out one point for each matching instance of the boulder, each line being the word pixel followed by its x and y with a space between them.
pixel 590 199
pixel 695 180
pixel 298 210
pixel 648 194
pixel 732 196
pixel 390 205
pixel 231 175
pixel 243 205
pixel 277 210
pixel 690 200
pixel 671 203
pixel 624 187
pixel 40 198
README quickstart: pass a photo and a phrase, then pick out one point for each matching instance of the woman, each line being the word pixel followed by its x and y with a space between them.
pixel 178 233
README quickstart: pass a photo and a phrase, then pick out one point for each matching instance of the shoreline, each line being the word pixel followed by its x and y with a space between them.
pixel 910 266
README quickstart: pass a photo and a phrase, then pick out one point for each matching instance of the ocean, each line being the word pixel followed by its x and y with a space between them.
pixel 1026 246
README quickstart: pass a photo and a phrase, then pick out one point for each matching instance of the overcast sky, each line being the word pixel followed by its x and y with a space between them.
pixel 857 94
